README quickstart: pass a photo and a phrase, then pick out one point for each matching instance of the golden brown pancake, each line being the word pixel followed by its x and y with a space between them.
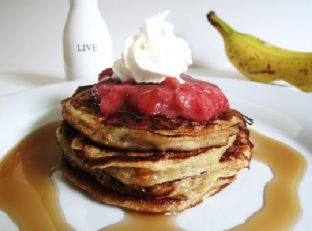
pixel 132 132
pixel 149 167
pixel 84 156
pixel 149 164
pixel 88 183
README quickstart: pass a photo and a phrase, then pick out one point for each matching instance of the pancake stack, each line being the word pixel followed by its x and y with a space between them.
pixel 149 164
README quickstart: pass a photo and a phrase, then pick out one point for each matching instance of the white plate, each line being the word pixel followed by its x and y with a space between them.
pixel 280 113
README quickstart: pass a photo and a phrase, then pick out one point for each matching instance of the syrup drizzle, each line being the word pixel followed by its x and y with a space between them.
pixel 27 192
pixel 281 207
pixel 29 197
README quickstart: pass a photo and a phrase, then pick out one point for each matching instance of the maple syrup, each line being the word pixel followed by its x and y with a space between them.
pixel 29 197
pixel 281 207
pixel 27 193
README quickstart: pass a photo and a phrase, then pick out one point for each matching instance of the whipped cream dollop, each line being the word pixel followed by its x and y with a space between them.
pixel 153 54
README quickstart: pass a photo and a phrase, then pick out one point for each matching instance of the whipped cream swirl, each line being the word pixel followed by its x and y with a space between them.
pixel 154 54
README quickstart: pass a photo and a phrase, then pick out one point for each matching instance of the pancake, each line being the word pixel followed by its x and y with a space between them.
pixel 132 132
pixel 149 164
pixel 88 183
pixel 84 157
pixel 151 168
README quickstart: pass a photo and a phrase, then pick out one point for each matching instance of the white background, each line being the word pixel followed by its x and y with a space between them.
pixel 31 32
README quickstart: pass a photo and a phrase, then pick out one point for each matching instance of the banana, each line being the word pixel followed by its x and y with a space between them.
pixel 260 61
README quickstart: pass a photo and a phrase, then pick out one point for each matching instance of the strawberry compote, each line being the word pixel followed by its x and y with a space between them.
pixel 193 100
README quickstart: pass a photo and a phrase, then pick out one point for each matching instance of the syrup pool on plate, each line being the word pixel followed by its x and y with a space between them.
pixel 30 198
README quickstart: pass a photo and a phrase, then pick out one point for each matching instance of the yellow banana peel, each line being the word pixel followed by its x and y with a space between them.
pixel 260 61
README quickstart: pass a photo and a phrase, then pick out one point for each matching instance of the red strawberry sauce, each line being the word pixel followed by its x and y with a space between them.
pixel 193 100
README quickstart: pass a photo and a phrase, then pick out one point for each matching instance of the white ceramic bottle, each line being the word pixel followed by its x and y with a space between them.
pixel 87 44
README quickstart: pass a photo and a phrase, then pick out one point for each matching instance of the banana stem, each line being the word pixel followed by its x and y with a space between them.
pixel 219 24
